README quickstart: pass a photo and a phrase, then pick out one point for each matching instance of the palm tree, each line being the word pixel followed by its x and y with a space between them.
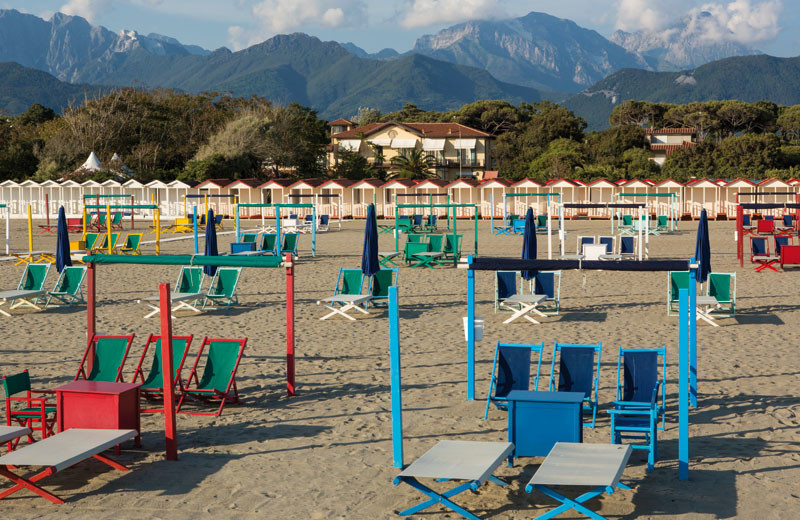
pixel 416 164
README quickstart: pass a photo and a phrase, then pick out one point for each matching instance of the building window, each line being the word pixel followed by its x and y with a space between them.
pixel 357 196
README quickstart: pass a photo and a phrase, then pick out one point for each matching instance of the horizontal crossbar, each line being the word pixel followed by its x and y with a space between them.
pixel 647 195
pixel 517 264
pixel 121 206
pixel 437 205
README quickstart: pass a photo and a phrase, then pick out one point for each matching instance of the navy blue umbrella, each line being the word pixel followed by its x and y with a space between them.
pixel 62 242
pixel 369 257
pixel 702 251
pixel 211 242
pixel 529 243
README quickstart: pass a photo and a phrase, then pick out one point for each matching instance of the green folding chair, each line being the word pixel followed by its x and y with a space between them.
pixel 99 222
pixel 218 381
pixel 116 221
pixel 248 238
pixel 68 288
pixel 436 242
pixel 722 286
pixel 290 242
pixel 452 247
pixel 91 240
pixel 223 287
pixel 661 223
pixel 109 355
pixel 132 243
pixel 404 225
pixel 103 247
pixel 349 281
pixel 153 385
pixel 31 409
pixel 269 244
pixel 30 289
pixel 676 280
pixel 379 286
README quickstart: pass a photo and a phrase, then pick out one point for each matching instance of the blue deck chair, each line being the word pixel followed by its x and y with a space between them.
pixel 759 254
pixel 505 286
pixel 746 222
pixel 518 226
pixel 577 373
pixel 788 222
pixel 379 286
pixel 549 284
pixel 627 246
pixel 583 241
pixel 416 222
pixel 638 406
pixel 511 370
pixel 324 222
pixel 607 241
pixel 431 222
pixel 769 217
pixel 780 241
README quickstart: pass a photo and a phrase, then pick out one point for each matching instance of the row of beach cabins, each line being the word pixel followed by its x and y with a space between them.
pixel 342 198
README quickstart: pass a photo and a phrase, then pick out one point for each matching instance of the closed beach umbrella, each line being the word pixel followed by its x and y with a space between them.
pixel 211 242
pixel 529 243
pixel 369 257
pixel 62 242
pixel 702 252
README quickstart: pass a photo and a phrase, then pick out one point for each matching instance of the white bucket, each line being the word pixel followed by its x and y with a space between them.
pixel 478 328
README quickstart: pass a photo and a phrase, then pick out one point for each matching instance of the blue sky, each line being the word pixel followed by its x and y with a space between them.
pixel 765 24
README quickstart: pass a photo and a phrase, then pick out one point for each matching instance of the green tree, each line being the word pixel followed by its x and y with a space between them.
pixel 295 141
pixel 638 113
pixel 491 116
pixel 416 164
pixel 561 159
pixel 353 165
pixel 789 122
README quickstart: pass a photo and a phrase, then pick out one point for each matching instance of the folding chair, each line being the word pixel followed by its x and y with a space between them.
pixel 511 370
pixel 452 247
pixel 759 253
pixel 153 385
pixel 103 247
pixel 661 223
pixel 90 239
pixel 722 286
pixel 518 226
pixel 116 221
pixel 505 286
pixel 290 241
pixel 324 221
pixel 416 222
pixel 132 243
pixel 219 374
pixel 431 222
pixel 68 286
pixel 676 280
pixel 747 223
pixel 627 223
pixel 549 284
pixel 29 290
pixel 637 409
pixel 786 224
pixel 269 244
pixel 404 225
pixel 110 353
pixel 780 241
pixel 582 241
pixel 423 255
pixel 74 225
pixel 98 222
pixel 223 287
pixel 541 223
pixel 577 373
pixel 627 247
pixel 436 242
pixel 790 255
pixel 765 227
pixel 248 238
pixel 187 292
pixel 379 286
pixel 609 242
pixel 34 410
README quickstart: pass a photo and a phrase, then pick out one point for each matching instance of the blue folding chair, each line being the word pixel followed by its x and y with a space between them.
pixel 584 241
pixel 549 284
pixel 607 241
pixel 780 241
pixel 511 370
pixel 746 222
pixel 636 412
pixel 416 222
pixel 324 221
pixel 577 373
pixel 505 286
pixel 518 226
pixel 627 246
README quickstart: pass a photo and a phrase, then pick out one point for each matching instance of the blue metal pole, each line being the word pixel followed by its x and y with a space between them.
pixel 693 334
pixel 237 222
pixel 314 230
pixel 396 383
pixel 196 246
pixel 470 330
pixel 683 385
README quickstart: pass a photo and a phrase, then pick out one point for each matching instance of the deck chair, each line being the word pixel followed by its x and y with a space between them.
pixel 68 288
pixel 116 221
pixel 452 247
pixel 404 225
pixel 268 244
pixel 430 222
pixel 103 247
pixel 415 237
pixel 99 222
pixel 577 373
pixel 290 242
pixel 609 242
pixel 416 222
pixel 379 286
pixel 676 280
pixel 75 225
pixel 90 239
pixel 627 246
pixel 747 223
pixel 541 223
pixel 518 226
pixel 423 254
pixel 661 223
pixel 153 385
pixel 722 286
pixel 790 255
pixel 187 292
pixel 511 370
pixel 223 287
pixel 627 223
pixel 33 410
pixel 249 238
pixel 786 223
pixel 29 290
pixel 765 227
pixel 549 284
pixel 436 242
pixel 759 254
pixel 640 401
pixel 110 353
pixel 132 243
pixel 324 223
pixel 505 286
pixel 218 381
pixel 780 241
pixel 218 220
pixel 582 241
pixel 349 281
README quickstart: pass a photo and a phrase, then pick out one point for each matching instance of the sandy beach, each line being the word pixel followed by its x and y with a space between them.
pixel 326 453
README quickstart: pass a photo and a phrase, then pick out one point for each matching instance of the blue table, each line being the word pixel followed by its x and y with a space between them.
pixel 538 420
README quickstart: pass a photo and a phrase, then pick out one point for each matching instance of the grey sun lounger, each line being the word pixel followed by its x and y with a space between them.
pixel 59 452
pixel 9 433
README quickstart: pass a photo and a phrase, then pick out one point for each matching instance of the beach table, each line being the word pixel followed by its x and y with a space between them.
pixel 34 257
pixel 349 301
pixel 706 304
pixel 57 453
pixel 538 420
pixel 182 300
pixel 426 259
pixel 472 461
pixel 9 433
pixel 570 464
pixel 23 297
pixel 527 303
pixel 387 257
pixel 614 257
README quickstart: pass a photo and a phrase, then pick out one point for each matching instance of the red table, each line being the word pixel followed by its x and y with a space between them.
pixel 99 405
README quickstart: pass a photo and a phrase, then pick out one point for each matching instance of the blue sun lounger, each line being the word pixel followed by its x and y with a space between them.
pixel 577 373
pixel 511 370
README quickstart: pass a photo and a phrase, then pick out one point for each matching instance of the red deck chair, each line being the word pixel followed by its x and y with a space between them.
pixel 153 385
pixel 765 227
pixel 759 254
pixel 110 353
pixel 790 255
pixel 34 409
pixel 219 374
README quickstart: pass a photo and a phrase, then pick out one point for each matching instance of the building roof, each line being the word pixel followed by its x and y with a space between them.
pixel 344 183
pixel 438 183
pixel 670 131
pixel 407 183
pixel 375 183
pixel 283 183
pixel 311 183
pixel 472 183
pixel 502 181
pixel 252 183
pixel 669 148
pixel 422 129
pixel 219 183
pixel 341 122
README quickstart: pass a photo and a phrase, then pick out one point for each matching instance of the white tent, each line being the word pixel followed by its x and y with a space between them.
pixel 123 169
pixel 92 163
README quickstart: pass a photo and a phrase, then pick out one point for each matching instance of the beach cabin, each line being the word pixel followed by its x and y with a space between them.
pixel 781 193
pixel 427 188
pixel 274 191
pixel 303 191
pixel 393 188
pixel 220 198
pixel 366 192
pixel 137 189
pixel 246 191
pixel 701 194
pixel 335 199
pixel 601 191
pixel 111 187
pixel 72 195
pixel 157 194
pixel 10 195
pixel 669 206
pixel 31 194
pixel 492 191
pixel 91 187
pixel 570 192
pixel 53 193
pixel 464 191
pixel 526 196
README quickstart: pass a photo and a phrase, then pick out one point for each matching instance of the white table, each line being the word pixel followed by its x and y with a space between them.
pixel 350 301
pixel 709 303
pixel 577 464
pixel 182 299
pixel 24 298
pixel 527 303
pixel 612 257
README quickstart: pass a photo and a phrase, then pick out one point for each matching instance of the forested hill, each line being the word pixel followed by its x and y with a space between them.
pixel 21 87
pixel 745 78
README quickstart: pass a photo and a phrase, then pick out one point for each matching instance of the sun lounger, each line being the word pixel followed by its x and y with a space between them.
pixel 103 246
pixel 29 290
pixel 187 292
pixel 57 453
pixel 32 411
pixel 223 287
pixel 290 243
pixel 577 372
pixel 511 370
pixel 347 294
pixel 153 385
pixel 68 288
pixel 12 433
pixel 218 381
pixel 505 286
pixel 110 353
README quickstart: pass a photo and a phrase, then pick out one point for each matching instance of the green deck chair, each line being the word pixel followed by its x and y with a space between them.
pixel 116 220
pixel 91 240
pixel 269 243
pixel 661 223
pixel 290 242
pixel 404 225
pixel 219 374
pixel 722 286
pixel 68 286
pixel 248 238
pixel 452 246
pixel 436 242
pixel 32 282
pixel 132 243
pixel 676 280
pixel 110 353
pixel 100 221
pixel 627 221
pixel 349 281
pixel 223 287
pixel 541 223
pixel 379 286
pixel 33 409
pixel 153 385
pixel 103 247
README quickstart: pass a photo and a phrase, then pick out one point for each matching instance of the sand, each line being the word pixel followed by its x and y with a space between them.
pixel 326 453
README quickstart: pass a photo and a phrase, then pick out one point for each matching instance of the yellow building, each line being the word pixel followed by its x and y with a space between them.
pixel 459 151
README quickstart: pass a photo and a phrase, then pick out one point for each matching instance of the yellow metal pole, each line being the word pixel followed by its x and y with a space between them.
pixel 205 203
pixel 158 231
pixel 185 214
pixel 84 223
pixel 30 230
pixel 108 225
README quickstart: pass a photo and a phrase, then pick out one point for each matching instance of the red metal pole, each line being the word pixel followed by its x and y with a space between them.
pixel 90 310
pixel 170 428
pixel 739 234
pixel 290 388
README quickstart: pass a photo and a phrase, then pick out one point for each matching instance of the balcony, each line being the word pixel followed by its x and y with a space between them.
pixel 465 163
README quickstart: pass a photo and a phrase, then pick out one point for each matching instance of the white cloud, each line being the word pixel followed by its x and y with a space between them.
pixel 633 15
pixel 422 13
pixel 89 9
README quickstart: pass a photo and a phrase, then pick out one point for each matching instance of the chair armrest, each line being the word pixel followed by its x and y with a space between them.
pixel 639 411
pixel 43 392
pixel 631 404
